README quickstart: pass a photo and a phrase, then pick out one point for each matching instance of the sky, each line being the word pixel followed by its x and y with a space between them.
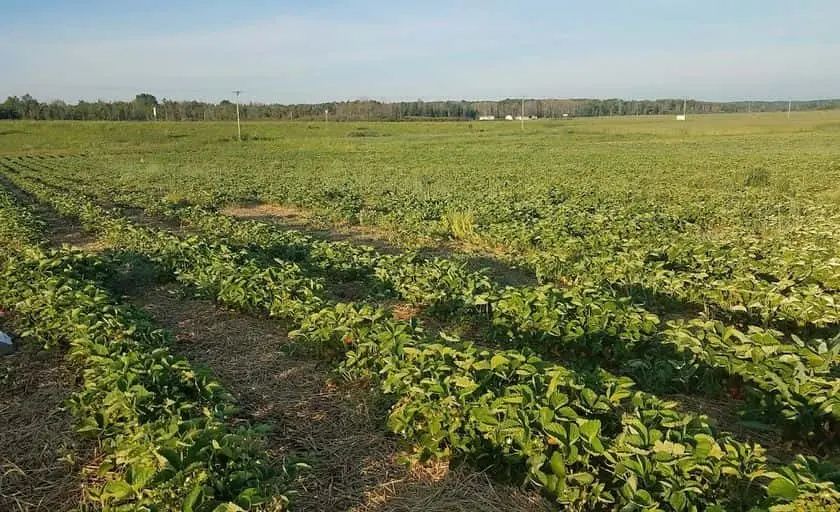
pixel 306 51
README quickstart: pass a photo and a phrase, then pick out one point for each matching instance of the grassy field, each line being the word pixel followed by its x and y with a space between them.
pixel 612 313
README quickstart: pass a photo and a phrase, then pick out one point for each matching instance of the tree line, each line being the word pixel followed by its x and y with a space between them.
pixel 146 107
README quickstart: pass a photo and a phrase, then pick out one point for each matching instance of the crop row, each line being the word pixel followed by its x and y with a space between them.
pixel 770 271
pixel 161 425
pixel 784 379
pixel 791 377
pixel 589 439
pixel 18 226
pixel 787 283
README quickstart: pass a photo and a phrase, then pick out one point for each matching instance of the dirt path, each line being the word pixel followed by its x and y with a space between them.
pixel 334 427
pixel 35 433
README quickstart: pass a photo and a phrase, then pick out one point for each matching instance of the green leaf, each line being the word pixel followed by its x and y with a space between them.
pixel 567 412
pixel 463 382
pixel 703 447
pixel 118 489
pixel 546 415
pixel 596 445
pixel 643 498
pixel 589 396
pixel 583 478
pixel 558 399
pixel 783 488
pixel 484 415
pixel 678 501
pixel 498 360
pixel 139 476
pixel 589 429
pixel 667 447
pixel 556 430
pixel 558 465
pixel 229 507
pixel 192 498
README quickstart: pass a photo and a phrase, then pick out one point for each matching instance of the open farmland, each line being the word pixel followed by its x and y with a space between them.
pixel 596 314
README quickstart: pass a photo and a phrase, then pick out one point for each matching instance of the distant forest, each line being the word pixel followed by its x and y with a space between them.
pixel 144 106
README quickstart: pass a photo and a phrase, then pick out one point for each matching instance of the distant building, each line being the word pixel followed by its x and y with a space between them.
pixel 486 118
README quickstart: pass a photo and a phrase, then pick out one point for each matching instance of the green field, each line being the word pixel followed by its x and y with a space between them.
pixel 627 313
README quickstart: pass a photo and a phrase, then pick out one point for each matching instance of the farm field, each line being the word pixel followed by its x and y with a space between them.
pixel 590 314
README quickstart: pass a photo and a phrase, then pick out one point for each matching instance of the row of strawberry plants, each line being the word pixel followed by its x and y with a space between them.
pixel 725 280
pixel 789 381
pixel 797 383
pixel 789 377
pixel 18 226
pixel 443 279
pixel 589 440
pixel 791 285
pixel 543 317
pixel 429 281
pixel 442 284
pixel 161 424
pixel 769 284
pixel 603 327
pixel 446 286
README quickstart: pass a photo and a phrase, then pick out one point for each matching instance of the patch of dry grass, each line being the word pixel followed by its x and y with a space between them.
pixel 291 217
pixel 41 458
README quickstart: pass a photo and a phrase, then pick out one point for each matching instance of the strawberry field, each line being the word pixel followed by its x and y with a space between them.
pixel 595 314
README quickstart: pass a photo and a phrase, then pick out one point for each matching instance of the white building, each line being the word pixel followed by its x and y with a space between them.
pixel 508 117
pixel 486 118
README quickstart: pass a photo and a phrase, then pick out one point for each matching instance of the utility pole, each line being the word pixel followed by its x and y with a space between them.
pixel 522 117
pixel 238 126
pixel 789 103
pixel 685 106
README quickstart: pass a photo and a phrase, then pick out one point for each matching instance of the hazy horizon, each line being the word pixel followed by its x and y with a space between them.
pixel 321 51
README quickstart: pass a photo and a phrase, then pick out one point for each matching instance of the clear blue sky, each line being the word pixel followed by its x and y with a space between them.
pixel 314 50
